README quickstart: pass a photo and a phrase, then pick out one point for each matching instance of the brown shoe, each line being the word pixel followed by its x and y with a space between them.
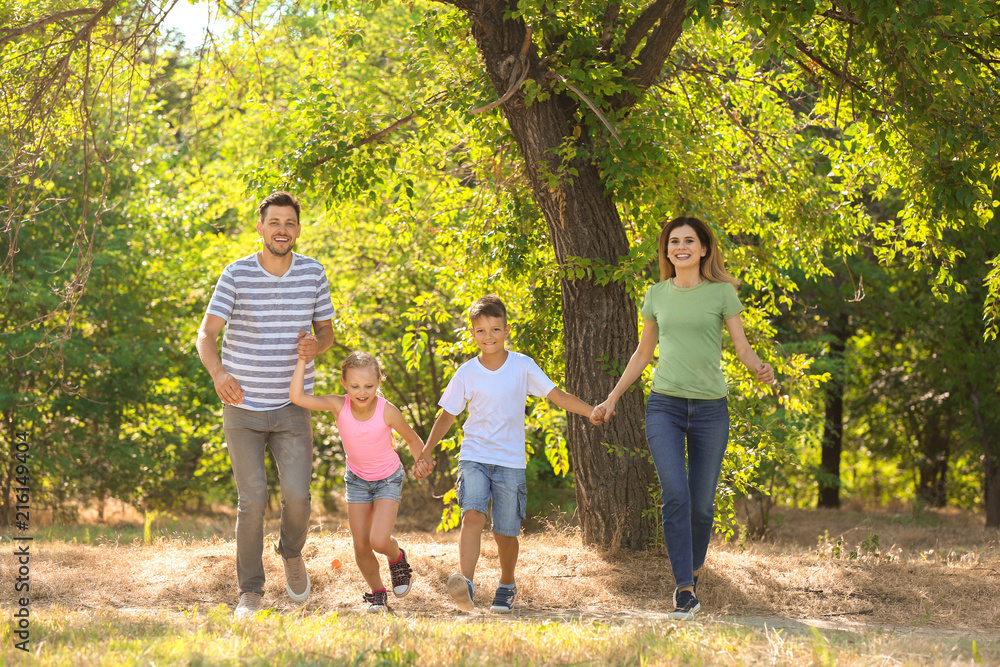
pixel 249 604
pixel 296 578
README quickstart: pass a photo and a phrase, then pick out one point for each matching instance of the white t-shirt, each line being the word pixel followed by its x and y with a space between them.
pixel 494 432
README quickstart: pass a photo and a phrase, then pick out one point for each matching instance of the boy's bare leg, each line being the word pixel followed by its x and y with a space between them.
pixel 470 542
pixel 507 550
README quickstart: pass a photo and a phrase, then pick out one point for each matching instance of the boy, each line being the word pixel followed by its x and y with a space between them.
pixel 492 460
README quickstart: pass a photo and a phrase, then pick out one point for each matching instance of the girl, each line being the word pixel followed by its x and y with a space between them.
pixel 374 477
pixel 684 314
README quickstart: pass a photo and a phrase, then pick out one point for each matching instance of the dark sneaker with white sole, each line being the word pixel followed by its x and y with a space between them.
pixel 685 606
pixel 378 601
pixel 402 575
pixel 503 599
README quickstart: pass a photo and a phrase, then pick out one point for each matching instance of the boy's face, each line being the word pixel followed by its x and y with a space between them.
pixel 490 333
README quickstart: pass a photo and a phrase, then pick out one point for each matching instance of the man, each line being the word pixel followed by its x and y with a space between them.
pixel 267 302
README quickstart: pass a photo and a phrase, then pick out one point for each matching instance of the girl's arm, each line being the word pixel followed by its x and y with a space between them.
pixel 395 420
pixel 297 393
pixel 569 402
pixel 745 353
pixel 633 371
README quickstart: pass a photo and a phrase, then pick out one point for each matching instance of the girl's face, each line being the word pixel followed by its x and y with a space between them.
pixel 361 385
pixel 684 248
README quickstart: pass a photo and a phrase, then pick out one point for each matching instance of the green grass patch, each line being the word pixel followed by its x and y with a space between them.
pixel 214 637
pixel 159 525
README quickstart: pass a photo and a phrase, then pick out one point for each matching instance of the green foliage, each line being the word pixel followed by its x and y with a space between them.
pixel 809 136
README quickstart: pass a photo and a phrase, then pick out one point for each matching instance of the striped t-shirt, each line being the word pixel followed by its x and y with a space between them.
pixel 264 314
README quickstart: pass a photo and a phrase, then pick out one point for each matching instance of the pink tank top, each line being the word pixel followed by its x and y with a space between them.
pixel 368 444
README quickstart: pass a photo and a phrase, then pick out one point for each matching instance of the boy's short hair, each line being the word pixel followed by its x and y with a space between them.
pixel 280 198
pixel 488 306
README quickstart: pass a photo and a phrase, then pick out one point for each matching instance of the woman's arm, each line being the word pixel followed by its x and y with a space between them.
pixel 633 371
pixel 745 353
pixel 297 393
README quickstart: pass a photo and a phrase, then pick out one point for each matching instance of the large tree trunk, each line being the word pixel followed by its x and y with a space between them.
pixel 935 449
pixel 833 427
pixel 612 488
pixel 991 458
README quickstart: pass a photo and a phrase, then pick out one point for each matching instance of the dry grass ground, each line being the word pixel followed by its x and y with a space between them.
pixel 938 571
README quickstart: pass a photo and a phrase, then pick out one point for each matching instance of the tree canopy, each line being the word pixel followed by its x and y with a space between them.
pixel 528 148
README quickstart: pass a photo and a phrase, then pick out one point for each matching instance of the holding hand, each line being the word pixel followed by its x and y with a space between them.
pixel 765 374
pixel 603 412
pixel 422 467
pixel 308 346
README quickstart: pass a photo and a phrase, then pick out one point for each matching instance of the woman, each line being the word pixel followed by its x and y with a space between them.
pixel 684 314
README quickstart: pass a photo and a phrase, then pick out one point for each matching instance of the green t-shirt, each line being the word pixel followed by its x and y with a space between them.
pixel 690 323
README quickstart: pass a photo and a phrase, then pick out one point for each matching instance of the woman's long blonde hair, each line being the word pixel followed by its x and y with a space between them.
pixel 713 268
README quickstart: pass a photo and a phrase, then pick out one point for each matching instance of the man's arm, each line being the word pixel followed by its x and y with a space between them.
pixel 228 389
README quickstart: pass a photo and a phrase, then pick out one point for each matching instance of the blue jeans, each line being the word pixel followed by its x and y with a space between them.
pixel 362 491
pixel 687 491
pixel 478 483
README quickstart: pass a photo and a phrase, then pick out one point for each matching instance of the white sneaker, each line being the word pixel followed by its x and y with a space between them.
pixel 249 604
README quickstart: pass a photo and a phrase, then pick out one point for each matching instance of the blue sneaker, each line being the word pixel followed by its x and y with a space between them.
pixel 461 591
pixel 503 599
pixel 685 606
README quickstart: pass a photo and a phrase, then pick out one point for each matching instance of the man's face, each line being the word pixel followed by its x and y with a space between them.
pixel 279 229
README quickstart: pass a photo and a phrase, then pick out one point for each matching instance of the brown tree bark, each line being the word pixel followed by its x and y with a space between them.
pixel 991 459
pixel 935 450
pixel 610 463
pixel 833 427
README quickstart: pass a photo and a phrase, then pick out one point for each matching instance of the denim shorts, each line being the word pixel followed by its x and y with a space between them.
pixel 480 482
pixel 362 491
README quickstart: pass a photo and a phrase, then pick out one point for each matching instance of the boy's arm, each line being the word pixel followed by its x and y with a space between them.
pixel 569 402
pixel 441 426
pixel 395 420
pixel 297 392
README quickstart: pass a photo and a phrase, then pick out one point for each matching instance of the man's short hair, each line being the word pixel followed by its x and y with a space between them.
pixel 488 306
pixel 280 198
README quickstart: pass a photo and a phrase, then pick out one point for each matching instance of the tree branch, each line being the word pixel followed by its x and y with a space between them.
pixel 41 23
pixel 609 22
pixel 468 6
pixel 646 21
pixel 664 27
pixel 843 76
pixel 659 44
pixel 381 134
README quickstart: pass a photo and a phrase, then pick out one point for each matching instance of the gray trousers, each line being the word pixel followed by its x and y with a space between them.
pixel 288 432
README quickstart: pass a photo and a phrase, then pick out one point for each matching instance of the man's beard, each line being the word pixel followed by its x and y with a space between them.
pixel 277 252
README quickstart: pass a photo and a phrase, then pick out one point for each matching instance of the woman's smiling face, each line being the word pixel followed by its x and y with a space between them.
pixel 684 248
